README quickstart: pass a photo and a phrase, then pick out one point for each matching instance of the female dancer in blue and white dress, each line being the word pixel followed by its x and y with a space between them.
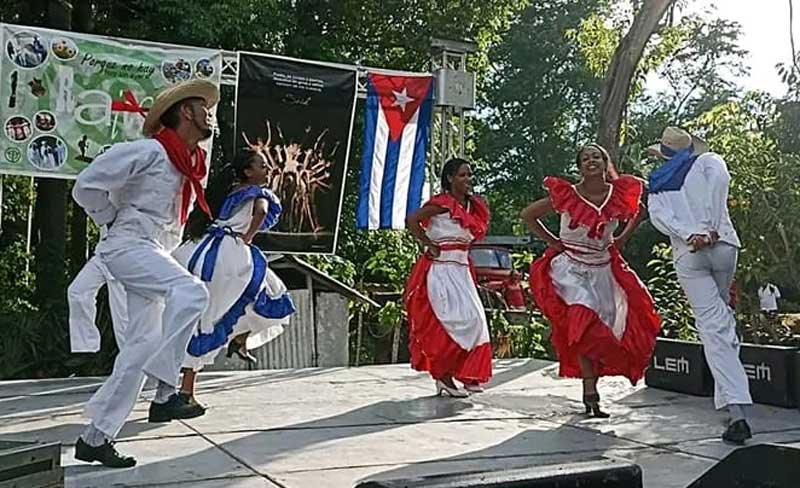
pixel 249 304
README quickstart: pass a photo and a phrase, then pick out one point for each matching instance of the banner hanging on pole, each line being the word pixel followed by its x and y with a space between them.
pixel 66 97
pixel 299 116
pixel 396 132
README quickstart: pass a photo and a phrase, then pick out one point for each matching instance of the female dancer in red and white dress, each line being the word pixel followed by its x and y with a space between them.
pixel 603 320
pixel 448 334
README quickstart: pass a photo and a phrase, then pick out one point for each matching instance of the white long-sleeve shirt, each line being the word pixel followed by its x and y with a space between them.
pixel 699 207
pixel 146 190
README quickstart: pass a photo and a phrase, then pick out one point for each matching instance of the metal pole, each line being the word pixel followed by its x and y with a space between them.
pixel 396 343
pixel 461 126
pixel 444 135
pixel 312 314
pixel 31 198
pixel 358 336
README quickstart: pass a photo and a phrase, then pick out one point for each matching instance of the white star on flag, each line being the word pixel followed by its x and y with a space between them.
pixel 401 99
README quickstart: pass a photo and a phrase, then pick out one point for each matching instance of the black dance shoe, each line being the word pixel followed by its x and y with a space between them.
pixel 592 403
pixel 175 408
pixel 107 454
pixel 242 352
pixel 737 432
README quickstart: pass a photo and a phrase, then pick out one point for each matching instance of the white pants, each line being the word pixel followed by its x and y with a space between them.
pixel 706 277
pixel 84 336
pixel 165 303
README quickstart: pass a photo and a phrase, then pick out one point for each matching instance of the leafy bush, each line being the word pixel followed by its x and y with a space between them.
pixel 35 344
pixel 677 320
pixel 531 338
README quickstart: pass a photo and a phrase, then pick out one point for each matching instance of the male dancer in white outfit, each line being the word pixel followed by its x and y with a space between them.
pixel 688 202
pixel 155 180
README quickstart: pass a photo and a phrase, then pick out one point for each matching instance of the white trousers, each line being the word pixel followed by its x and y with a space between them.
pixel 84 336
pixel 706 277
pixel 165 303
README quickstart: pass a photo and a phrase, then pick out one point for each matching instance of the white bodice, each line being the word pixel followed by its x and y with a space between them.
pixel 583 248
pixel 241 218
pixel 444 230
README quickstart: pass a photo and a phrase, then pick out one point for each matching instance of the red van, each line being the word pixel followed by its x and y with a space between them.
pixel 499 283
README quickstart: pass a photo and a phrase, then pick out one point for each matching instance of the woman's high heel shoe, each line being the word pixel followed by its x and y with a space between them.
pixel 592 403
pixel 442 388
pixel 241 351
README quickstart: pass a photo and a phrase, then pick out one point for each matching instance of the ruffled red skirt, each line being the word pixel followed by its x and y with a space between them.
pixel 430 346
pixel 577 330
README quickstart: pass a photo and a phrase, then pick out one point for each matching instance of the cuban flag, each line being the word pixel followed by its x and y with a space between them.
pixel 397 127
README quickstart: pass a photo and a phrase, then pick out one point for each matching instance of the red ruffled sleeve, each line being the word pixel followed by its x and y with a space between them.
pixel 476 220
pixel 623 204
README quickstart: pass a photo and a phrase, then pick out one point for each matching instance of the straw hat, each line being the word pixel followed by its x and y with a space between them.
pixel 678 139
pixel 174 94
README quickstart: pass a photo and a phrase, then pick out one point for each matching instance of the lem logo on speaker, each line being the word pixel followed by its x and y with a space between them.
pixel 758 372
pixel 672 365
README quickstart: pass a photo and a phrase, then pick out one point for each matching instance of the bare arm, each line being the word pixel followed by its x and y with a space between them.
pixel 259 214
pixel 532 215
pixel 414 223
pixel 631 226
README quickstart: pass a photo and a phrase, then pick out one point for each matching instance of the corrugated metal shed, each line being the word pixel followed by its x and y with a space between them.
pixel 318 333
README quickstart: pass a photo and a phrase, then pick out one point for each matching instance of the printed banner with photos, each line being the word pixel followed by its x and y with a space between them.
pixel 299 116
pixel 66 97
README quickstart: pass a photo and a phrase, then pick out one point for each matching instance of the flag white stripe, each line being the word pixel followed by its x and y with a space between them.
pixel 403 180
pixel 378 165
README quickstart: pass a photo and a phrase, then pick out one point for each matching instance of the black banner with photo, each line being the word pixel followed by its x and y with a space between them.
pixel 299 115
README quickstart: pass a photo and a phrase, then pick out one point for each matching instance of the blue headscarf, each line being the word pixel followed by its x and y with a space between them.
pixel 671 175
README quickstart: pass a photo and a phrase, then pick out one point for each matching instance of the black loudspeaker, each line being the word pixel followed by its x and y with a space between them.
pixel 679 366
pixel 759 466
pixel 593 474
pixel 797 379
pixel 770 370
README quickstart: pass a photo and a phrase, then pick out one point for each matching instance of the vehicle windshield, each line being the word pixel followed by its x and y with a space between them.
pixel 490 258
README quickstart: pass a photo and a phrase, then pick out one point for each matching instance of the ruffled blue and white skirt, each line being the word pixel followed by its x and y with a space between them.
pixel 245 295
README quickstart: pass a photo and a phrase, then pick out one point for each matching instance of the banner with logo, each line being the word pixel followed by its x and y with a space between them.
pixel 299 116
pixel 66 97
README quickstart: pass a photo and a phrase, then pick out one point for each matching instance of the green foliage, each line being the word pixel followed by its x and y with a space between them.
pixel 16 289
pixel 390 316
pixel 35 344
pixel 676 314
pixel 528 339
pixel 392 261
pixel 764 195
pixel 539 99
pixel 342 269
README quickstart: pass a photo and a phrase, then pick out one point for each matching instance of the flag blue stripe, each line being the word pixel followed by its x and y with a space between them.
pixel 370 126
pixel 420 146
pixel 389 178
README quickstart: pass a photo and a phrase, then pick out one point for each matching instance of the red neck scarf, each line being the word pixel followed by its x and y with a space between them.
pixel 194 171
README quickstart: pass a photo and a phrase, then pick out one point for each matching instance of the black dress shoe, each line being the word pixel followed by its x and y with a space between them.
pixel 174 409
pixel 241 351
pixel 190 400
pixel 737 432
pixel 106 454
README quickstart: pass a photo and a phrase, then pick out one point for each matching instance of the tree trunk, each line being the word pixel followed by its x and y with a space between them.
pixel 81 22
pixel 617 86
pixel 51 206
